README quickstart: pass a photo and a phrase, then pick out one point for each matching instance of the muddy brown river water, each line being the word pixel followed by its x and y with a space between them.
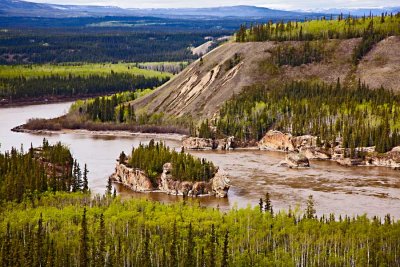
pixel 336 189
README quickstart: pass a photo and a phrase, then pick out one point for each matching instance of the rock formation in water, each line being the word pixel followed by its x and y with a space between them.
pixel 307 146
pixel 295 160
pixel 196 143
pixel 138 181
pixel 134 179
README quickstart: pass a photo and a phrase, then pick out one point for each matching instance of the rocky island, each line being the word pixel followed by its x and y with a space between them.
pixel 155 168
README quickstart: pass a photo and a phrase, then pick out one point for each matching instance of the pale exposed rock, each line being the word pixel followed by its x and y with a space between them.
pixel 135 179
pixel 350 162
pixel 196 143
pixel 276 140
pixel 396 149
pixel 304 141
pixel 390 159
pixel 315 153
pixel 226 144
pixel 220 184
pixel 295 160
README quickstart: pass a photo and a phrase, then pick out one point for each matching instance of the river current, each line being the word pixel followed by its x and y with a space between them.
pixel 336 189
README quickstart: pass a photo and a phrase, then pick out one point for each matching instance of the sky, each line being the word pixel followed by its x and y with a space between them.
pixel 276 4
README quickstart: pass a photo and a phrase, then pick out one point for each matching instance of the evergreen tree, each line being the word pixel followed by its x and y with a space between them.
pixel 84 260
pixel 310 210
pixel 225 255
pixel 190 247
pixel 85 185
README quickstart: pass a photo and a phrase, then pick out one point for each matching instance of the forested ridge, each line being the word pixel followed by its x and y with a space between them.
pixel 359 117
pixel 78 230
pixel 13 89
pixel 340 27
pixel 69 80
pixel 185 167
pixel 370 29
pixel 104 45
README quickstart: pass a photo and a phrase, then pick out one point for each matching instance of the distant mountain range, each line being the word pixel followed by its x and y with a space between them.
pixel 17 8
pixel 357 11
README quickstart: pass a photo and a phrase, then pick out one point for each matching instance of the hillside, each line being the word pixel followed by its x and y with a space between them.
pixel 206 84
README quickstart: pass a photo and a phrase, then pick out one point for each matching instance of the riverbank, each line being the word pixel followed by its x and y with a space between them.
pixel 304 146
pixel 116 133
pixel 5 103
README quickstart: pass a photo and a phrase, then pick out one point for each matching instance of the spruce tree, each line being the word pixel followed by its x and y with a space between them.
pixel 173 248
pixel 85 185
pixel 84 242
pixel 189 261
pixel 225 255
pixel 211 247
pixel 310 210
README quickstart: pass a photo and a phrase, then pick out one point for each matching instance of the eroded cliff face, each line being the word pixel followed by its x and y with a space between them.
pixel 134 179
pixel 137 180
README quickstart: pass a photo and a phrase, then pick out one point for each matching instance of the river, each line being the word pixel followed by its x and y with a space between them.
pixel 336 189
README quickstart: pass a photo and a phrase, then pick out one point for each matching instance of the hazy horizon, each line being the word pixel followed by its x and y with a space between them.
pixel 274 4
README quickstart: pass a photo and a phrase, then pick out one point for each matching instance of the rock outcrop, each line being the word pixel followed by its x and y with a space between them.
pixel 220 184
pixel 390 159
pixel 276 140
pixel 350 162
pixel 134 179
pixel 196 143
pixel 137 180
pixel 305 144
pixel 295 160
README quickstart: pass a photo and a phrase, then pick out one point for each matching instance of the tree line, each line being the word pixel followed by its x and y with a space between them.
pixel 48 168
pixel 71 85
pixel 81 230
pixel 185 167
pixel 53 46
pixel 339 27
pixel 359 117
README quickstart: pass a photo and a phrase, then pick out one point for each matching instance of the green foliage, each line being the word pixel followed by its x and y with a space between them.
pixel 361 117
pixel 305 53
pixel 89 44
pixel 109 108
pixel 232 62
pixel 369 38
pixel 143 233
pixel 339 28
pixel 185 167
pixel 204 130
pixel 77 69
pixel 22 82
pixel 25 175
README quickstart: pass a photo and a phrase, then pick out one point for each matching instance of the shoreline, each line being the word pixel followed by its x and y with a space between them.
pixel 115 133
pixel 49 100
